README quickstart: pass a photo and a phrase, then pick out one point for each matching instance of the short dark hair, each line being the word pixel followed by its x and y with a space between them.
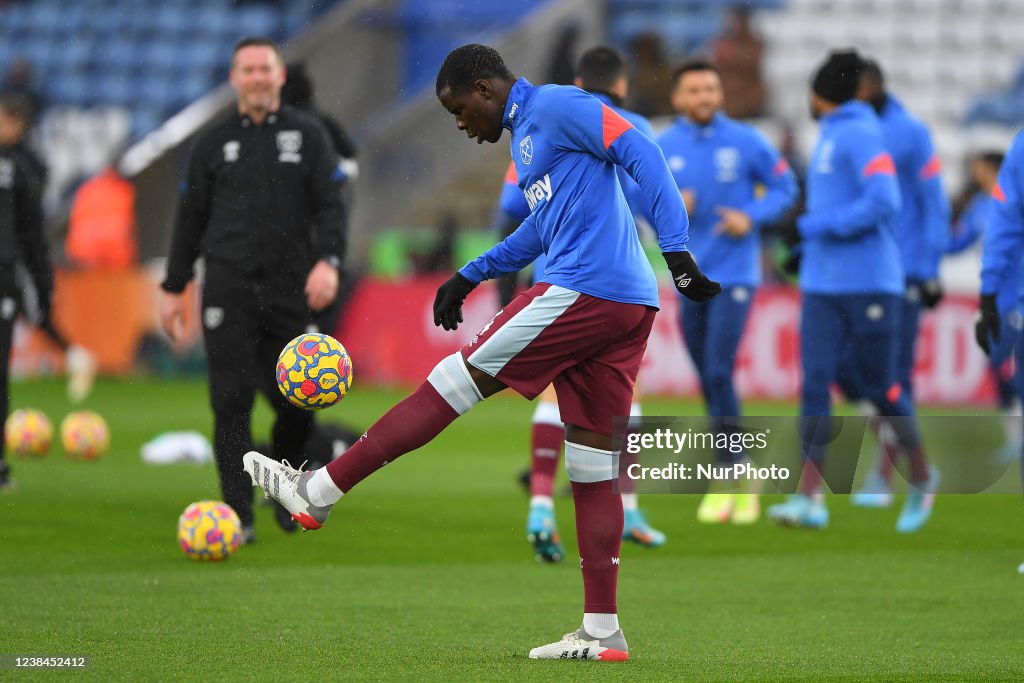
pixel 690 65
pixel 256 41
pixel 991 158
pixel 465 65
pixel 600 68
pixel 18 106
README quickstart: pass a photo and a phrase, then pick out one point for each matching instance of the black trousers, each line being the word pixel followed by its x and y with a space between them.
pixel 9 298
pixel 246 322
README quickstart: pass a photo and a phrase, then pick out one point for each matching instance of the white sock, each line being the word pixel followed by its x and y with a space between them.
pixel 542 500
pixel 322 490
pixel 600 625
pixel 629 501
pixel 547 414
pixel 635 410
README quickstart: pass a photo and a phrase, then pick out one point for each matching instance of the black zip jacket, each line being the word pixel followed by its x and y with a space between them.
pixel 21 225
pixel 264 201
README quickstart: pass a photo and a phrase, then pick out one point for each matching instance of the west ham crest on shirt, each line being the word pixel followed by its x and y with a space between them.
pixel 231 150
pixel 526 150
pixel 289 142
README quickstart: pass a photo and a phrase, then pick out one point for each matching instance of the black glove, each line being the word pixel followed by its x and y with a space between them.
pixel 931 293
pixel 987 326
pixel 688 279
pixel 448 302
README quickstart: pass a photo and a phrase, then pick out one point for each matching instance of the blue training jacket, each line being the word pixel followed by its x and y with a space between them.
pixel 1004 232
pixel 566 145
pixel 922 228
pixel 852 201
pixel 514 204
pixel 970 229
pixel 724 163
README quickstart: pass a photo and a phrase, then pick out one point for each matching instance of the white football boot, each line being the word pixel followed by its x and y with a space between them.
pixel 581 645
pixel 286 485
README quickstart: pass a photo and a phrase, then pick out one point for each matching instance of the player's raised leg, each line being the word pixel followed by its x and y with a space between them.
pixel 448 392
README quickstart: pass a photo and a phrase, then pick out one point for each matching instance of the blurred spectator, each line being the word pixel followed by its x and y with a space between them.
pixel 1005 107
pixel 973 201
pixel 650 88
pixel 562 63
pixel 101 229
pixel 738 53
pixel 441 257
pixel 20 78
pixel 17 113
pixel 299 92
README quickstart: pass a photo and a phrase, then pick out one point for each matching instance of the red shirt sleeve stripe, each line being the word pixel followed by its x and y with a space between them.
pixel 781 166
pixel 998 194
pixel 510 175
pixel 612 125
pixel 933 169
pixel 880 165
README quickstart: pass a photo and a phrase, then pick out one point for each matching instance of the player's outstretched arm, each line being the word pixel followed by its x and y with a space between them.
pixel 511 255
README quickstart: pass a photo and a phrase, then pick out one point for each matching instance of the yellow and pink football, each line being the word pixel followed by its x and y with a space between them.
pixel 85 435
pixel 314 371
pixel 27 433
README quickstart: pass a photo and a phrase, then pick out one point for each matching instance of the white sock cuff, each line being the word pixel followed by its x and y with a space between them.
pixel 322 490
pixel 635 410
pixel 630 501
pixel 545 501
pixel 452 380
pixel 599 624
pixel 547 414
pixel 587 465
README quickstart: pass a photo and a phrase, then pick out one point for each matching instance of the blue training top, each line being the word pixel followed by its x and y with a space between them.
pixel 852 200
pixel 566 145
pixel 725 163
pixel 922 227
pixel 1004 233
pixel 514 204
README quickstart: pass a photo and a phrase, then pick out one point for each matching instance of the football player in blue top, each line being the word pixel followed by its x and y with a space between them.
pixel 584 327
pixel 734 182
pixel 922 233
pixel 852 280
pixel 602 72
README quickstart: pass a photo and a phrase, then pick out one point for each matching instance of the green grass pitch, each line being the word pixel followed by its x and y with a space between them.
pixel 423 572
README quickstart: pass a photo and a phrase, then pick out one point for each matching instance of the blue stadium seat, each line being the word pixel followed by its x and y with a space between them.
pixel 257 20
pixel 154 57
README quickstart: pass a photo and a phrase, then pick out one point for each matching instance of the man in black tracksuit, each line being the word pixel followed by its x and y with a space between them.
pixel 262 203
pixel 21 238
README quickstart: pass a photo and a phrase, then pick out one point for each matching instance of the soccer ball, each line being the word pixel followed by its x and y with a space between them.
pixel 314 371
pixel 27 433
pixel 85 435
pixel 209 530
